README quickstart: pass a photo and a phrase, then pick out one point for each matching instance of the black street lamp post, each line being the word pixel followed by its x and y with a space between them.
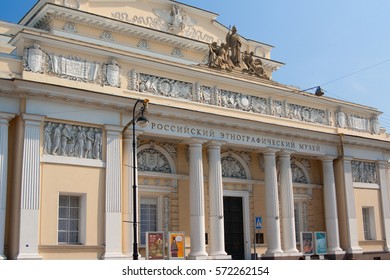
pixel 142 121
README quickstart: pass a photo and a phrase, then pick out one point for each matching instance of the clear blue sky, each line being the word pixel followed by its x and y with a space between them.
pixel 343 46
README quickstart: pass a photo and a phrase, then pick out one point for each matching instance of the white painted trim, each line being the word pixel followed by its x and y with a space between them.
pixel 73 161
pixel 246 216
pixel 366 186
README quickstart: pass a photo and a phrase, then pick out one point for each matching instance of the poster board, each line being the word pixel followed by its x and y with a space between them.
pixel 307 243
pixel 320 242
pixel 176 246
pixel 155 248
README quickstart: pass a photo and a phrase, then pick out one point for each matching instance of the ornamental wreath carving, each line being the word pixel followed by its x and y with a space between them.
pixel 72 141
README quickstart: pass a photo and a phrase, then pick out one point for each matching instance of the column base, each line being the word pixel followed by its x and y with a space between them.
pixel 273 253
pixel 354 250
pixel 114 256
pixel 2 258
pixel 220 257
pixel 29 256
pixel 335 251
pixel 198 257
pixel 292 254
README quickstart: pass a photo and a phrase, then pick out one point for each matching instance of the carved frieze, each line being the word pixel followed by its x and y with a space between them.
pixel 165 87
pixel 364 172
pixel 245 102
pixel 72 141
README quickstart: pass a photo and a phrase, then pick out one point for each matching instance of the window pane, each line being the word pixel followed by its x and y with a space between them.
pixel 74 213
pixel 74 225
pixel 64 200
pixel 148 216
pixel 62 236
pixel 62 224
pixel 63 212
pixel 68 219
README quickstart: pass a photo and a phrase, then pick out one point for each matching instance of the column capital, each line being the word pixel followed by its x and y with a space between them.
pixel 215 144
pixel 327 158
pixel 6 117
pixel 113 128
pixel 195 141
pixel 383 163
pixel 269 152
pixel 33 119
pixel 128 134
pixel 285 153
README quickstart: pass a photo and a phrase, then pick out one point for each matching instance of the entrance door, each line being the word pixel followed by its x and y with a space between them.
pixel 234 227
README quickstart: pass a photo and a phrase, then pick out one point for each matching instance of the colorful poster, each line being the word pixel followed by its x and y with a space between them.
pixel 320 242
pixel 307 245
pixel 155 245
pixel 176 248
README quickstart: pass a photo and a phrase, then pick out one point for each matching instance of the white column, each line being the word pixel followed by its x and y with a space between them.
pixel 217 230
pixel 385 198
pixel 331 220
pixel 197 216
pixel 287 201
pixel 272 205
pixel 4 122
pixel 352 231
pixel 113 203
pixel 30 188
pixel 128 191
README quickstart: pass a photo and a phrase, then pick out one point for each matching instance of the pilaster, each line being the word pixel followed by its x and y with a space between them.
pixel 4 123
pixel 349 200
pixel 128 182
pixel 30 188
pixel 385 199
pixel 113 202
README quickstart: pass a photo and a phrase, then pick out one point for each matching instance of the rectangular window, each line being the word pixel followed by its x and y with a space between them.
pixel 148 216
pixel 69 219
pixel 368 223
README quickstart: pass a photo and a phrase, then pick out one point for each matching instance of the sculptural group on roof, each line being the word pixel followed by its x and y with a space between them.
pixel 228 56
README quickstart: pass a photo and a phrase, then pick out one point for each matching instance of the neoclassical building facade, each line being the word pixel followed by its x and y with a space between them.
pixel 225 143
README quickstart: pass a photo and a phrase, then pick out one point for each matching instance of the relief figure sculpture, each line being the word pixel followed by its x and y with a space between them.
pixel 234 46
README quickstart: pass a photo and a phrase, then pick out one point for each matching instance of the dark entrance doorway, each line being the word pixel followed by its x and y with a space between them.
pixel 234 227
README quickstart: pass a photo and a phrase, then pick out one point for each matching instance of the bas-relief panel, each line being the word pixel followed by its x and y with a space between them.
pixel 72 141
pixel 364 172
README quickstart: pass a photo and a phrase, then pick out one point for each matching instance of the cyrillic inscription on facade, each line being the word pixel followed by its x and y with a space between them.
pixel 232 137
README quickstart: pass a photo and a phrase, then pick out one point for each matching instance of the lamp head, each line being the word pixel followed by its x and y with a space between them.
pixel 142 121
pixel 319 91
